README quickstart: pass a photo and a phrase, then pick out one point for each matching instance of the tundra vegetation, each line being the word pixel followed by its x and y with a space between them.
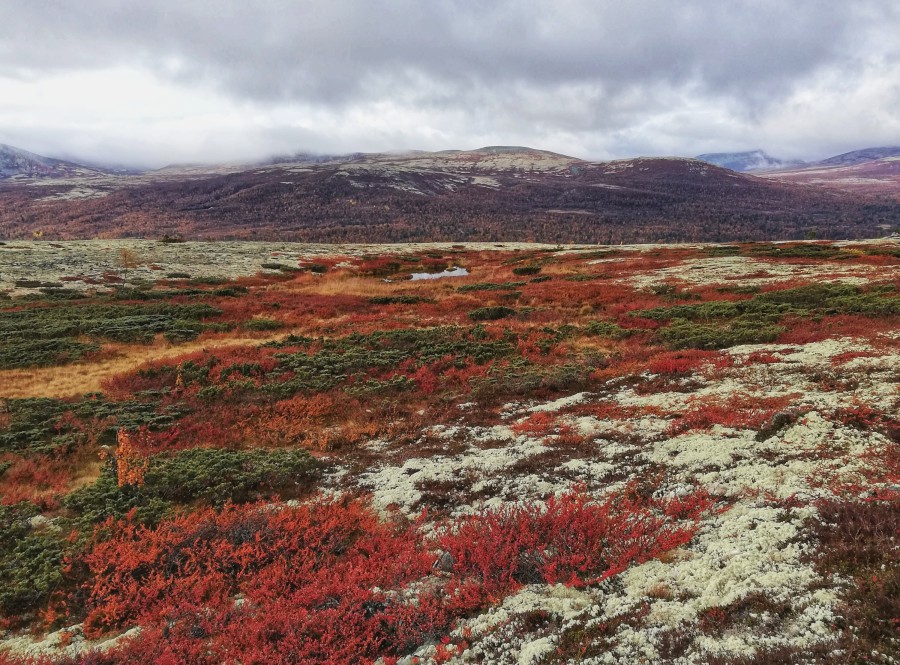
pixel 687 454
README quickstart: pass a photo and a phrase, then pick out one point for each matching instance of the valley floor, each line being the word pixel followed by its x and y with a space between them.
pixel 249 453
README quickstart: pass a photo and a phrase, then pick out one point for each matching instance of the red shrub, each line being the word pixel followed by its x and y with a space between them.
pixel 742 411
pixel 762 358
pixel 572 539
pixel 541 423
pixel 37 479
pixel 806 330
pixel 847 356
pixel 681 362
pixel 327 582
pixel 208 556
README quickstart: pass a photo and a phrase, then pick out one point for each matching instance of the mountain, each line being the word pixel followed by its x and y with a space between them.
pixel 878 177
pixel 307 158
pixel 859 156
pixel 495 193
pixel 752 160
pixel 15 162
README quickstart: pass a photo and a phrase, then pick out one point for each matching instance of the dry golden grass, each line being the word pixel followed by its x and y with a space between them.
pixel 342 284
pixel 87 470
pixel 87 376
pixel 593 344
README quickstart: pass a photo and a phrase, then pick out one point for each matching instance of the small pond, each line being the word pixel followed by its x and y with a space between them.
pixel 453 272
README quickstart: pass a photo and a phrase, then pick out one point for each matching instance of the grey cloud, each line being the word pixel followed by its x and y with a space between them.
pixel 337 49
pixel 562 67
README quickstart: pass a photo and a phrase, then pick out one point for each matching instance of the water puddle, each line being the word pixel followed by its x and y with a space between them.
pixel 453 272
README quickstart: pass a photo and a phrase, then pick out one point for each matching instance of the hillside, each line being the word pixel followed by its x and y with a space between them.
pixel 879 177
pixel 860 156
pixel 491 194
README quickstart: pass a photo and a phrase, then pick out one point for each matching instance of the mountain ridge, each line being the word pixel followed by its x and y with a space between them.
pixel 748 161
pixel 495 194
pixel 855 157
pixel 16 162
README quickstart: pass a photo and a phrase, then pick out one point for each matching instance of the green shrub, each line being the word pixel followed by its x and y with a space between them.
pixel 521 377
pixel 208 475
pixel 230 291
pixel 671 292
pixel 683 334
pixel 398 300
pixel 33 422
pixel 801 251
pixel 526 270
pixel 722 250
pixel 827 298
pixel 606 329
pixel 489 286
pixel 61 294
pixel 491 313
pixel 47 335
pixel 103 499
pixel 212 281
pixel 36 284
pixel 43 352
pixel 351 358
pixel 216 476
pixel 30 563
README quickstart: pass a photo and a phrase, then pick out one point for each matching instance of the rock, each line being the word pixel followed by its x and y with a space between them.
pixel 444 563
pixel 38 521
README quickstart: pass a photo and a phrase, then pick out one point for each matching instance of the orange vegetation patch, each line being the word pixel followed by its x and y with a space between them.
pixel 89 376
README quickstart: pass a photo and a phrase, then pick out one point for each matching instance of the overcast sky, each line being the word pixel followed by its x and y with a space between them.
pixel 158 81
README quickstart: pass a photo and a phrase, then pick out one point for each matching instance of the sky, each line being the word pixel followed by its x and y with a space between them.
pixel 157 82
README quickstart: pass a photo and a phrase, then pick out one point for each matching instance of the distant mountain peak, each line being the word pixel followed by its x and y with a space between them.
pixel 506 149
pixel 749 160
pixel 15 162
pixel 859 156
